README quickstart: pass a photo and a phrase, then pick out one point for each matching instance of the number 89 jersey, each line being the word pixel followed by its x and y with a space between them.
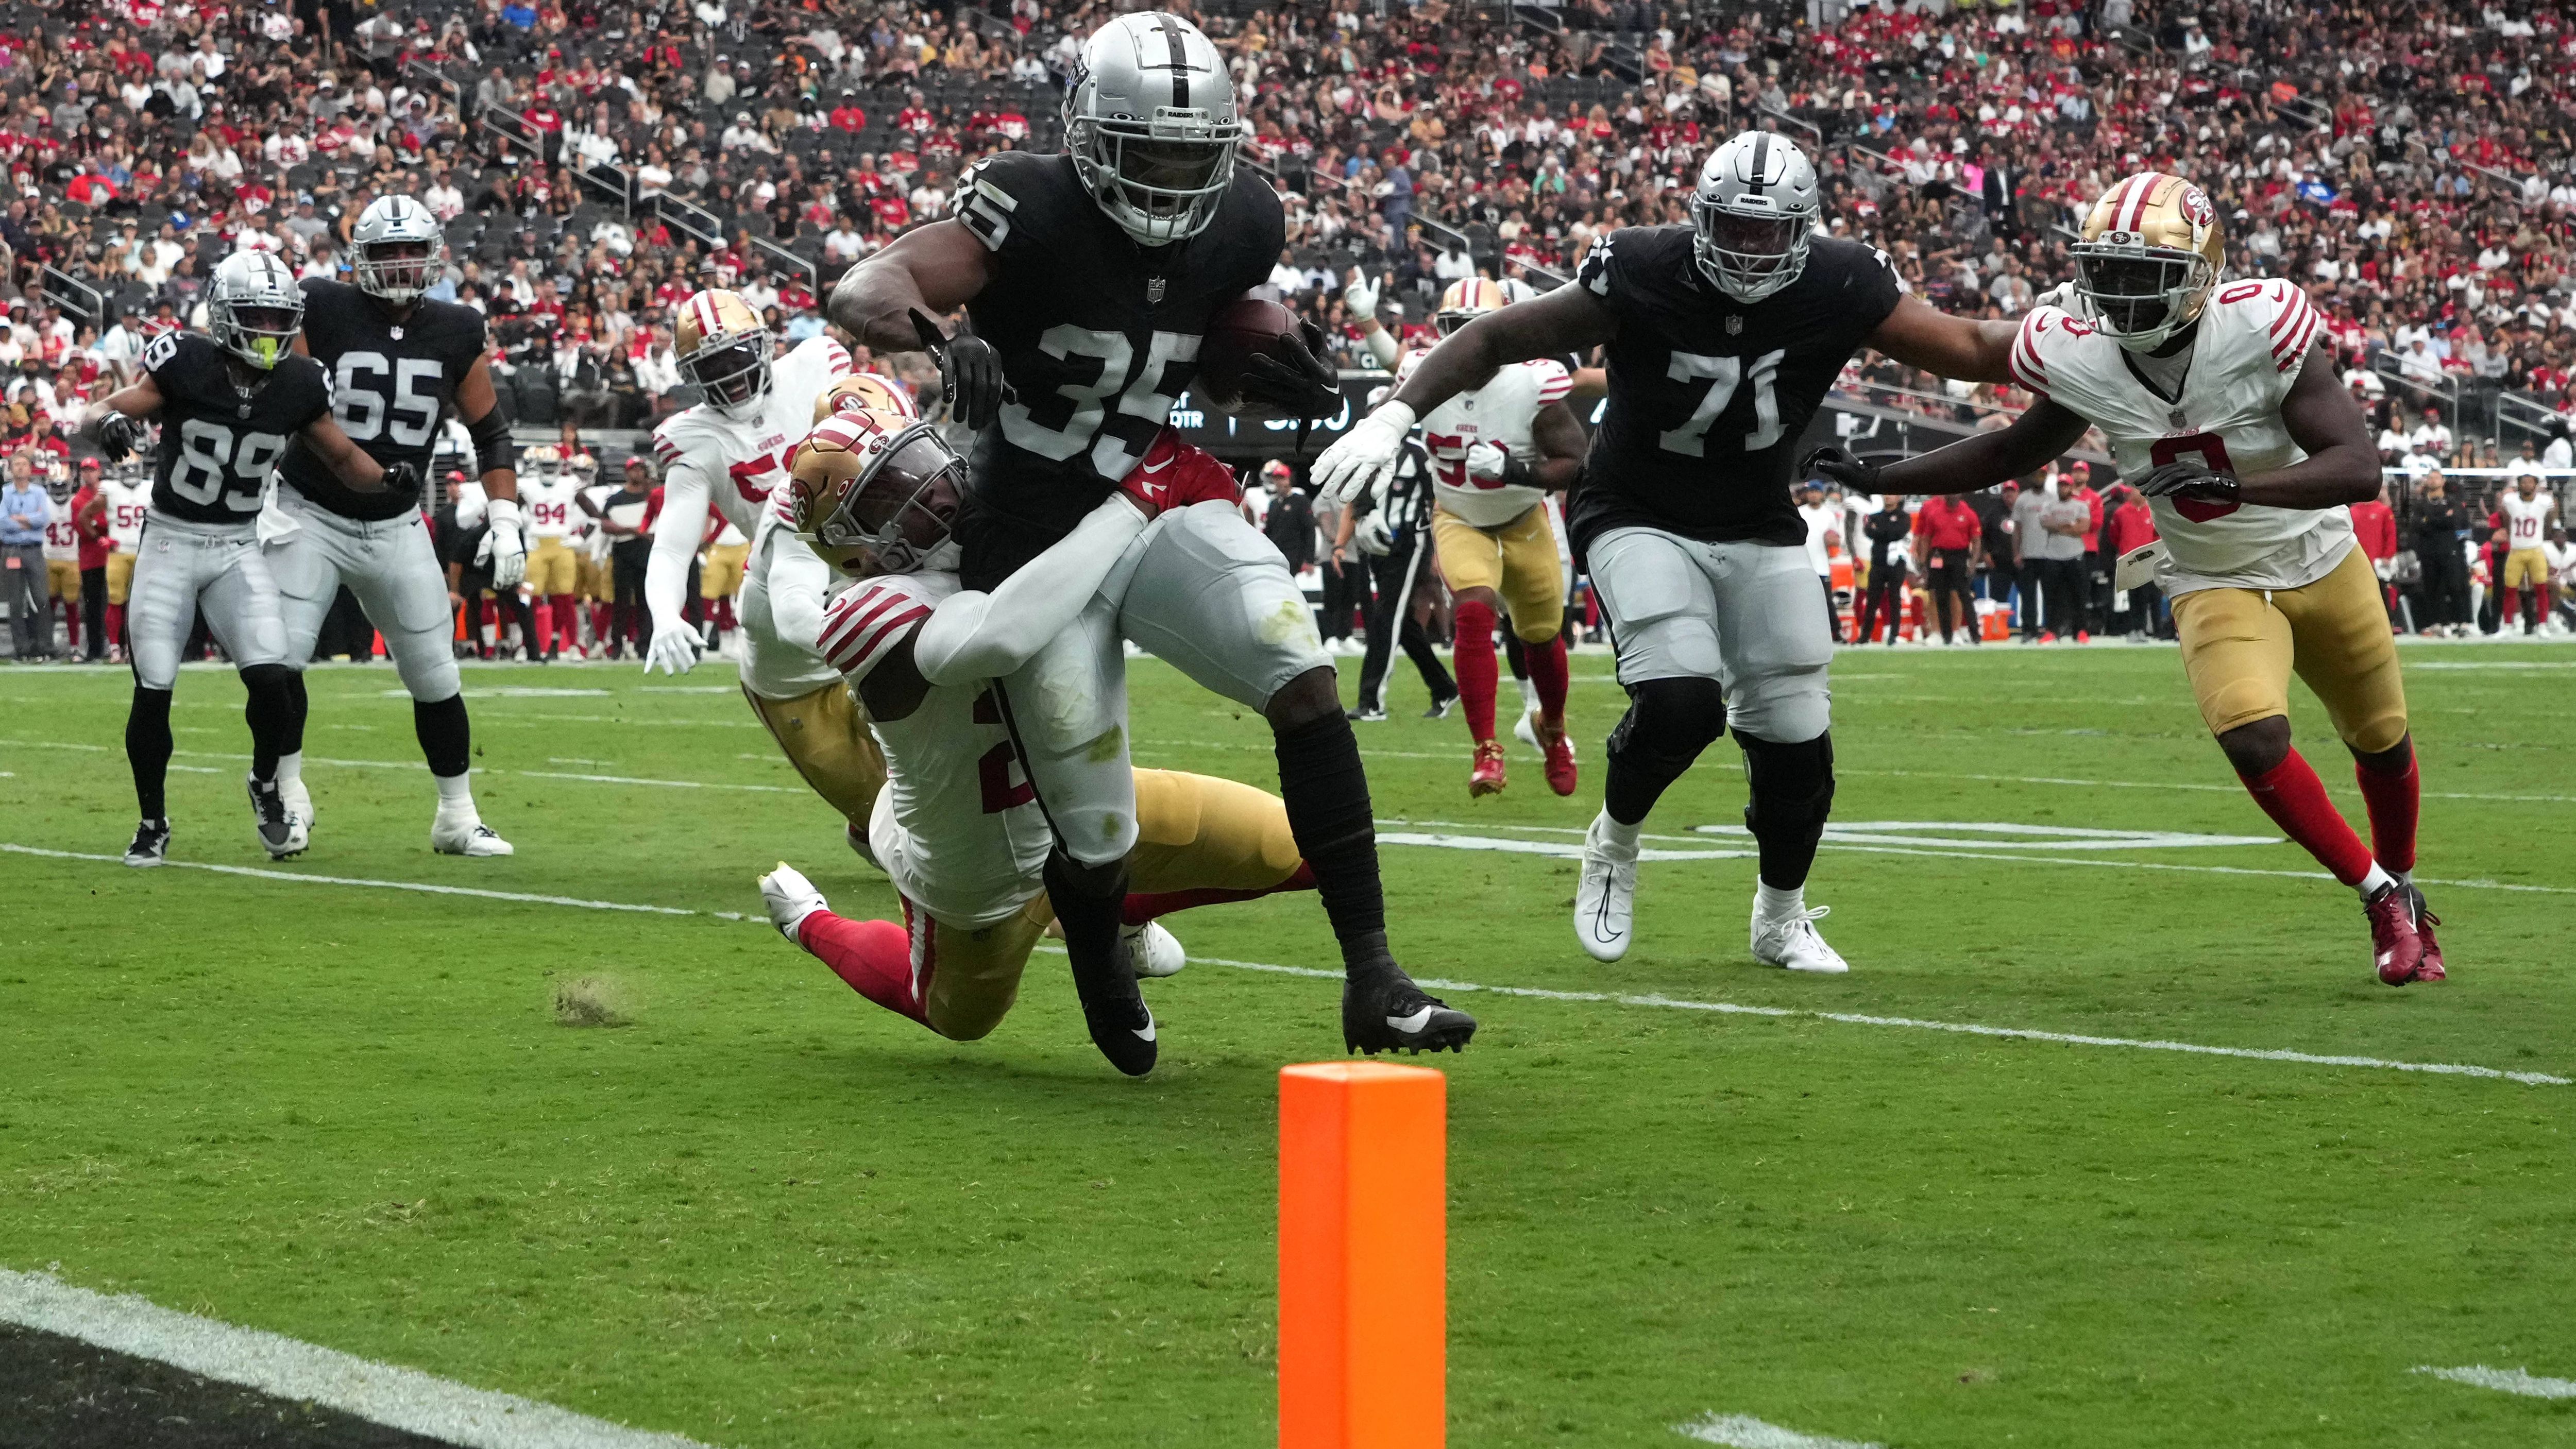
pixel 1709 396
pixel 217 445
pixel 392 381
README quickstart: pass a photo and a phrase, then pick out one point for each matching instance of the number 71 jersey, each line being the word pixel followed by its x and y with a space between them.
pixel 217 445
pixel 2246 352
pixel 391 384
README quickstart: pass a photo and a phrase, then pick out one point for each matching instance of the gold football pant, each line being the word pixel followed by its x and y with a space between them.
pixel 825 736
pixel 2240 646
pixel 721 576
pixel 1199 841
pixel 1517 561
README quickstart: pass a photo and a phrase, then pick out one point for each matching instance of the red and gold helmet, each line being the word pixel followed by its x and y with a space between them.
pixel 867 392
pixel 876 493
pixel 723 347
pixel 1465 301
pixel 2151 253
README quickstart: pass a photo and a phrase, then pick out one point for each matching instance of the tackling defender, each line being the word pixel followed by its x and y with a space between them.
pixel 1722 338
pixel 958 828
pixel 400 362
pixel 229 400
pixel 2220 400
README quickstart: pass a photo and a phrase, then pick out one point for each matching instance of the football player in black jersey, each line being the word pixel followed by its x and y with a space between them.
pixel 1090 277
pixel 230 404
pixel 400 362
pixel 1722 336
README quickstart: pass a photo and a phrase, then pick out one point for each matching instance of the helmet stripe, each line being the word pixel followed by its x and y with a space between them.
pixel 1761 158
pixel 2133 213
pixel 1179 63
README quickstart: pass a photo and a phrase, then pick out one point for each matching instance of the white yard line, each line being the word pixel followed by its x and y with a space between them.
pixel 2507 1381
pixel 2181 785
pixel 329 762
pixel 287 1368
pixel 1742 1431
pixel 424 887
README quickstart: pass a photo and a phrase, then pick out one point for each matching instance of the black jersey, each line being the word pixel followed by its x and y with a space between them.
pixel 1708 395
pixel 1098 336
pixel 219 443
pixel 396 381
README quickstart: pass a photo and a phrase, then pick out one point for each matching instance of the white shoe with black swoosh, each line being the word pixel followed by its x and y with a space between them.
pixel 1605 896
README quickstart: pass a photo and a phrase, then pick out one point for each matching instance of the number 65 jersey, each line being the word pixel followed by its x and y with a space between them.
pixel 218 446
pixel 2246 351
pixel 391 381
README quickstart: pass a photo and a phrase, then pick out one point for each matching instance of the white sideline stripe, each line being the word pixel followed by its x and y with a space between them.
pixel 288 1368
pixel 2183 785
pixel 2509 1381
pixel 1560 849
pixel 1742 1431
pixel 1667 1003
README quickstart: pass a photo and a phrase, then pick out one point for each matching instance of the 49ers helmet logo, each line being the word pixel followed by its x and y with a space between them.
pixel 2196 208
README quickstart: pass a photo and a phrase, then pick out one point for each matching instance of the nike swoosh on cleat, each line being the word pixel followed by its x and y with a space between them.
pixel 1411 1024
pixel 1147 1032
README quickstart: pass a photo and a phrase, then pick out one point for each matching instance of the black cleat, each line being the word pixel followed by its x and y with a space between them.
pixel 1440 708
pixel 280 833
pixel 1122 1026
pixel 151 844
pixel 1382 1010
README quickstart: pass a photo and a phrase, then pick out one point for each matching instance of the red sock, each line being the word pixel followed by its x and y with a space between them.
pixel 567 620
pixel 1547 675
pixel 116 625
pixel 2393 801
pixel 2296 800
pixel 874 957
pixel 724 613
pixel 1143 906
pixel 1478 674
pixel 544 610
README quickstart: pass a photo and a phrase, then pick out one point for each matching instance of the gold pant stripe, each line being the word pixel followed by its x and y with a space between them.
pixel 721 576
pixel 2240 646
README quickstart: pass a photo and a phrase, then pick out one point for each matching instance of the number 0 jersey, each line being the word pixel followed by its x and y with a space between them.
pixel 2246 351
pixel 392 382
pixel 218 445
pixel 1503 411
pixel 1709 396
pixel 1098 338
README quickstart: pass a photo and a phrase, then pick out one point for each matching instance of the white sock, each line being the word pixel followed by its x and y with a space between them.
pixel 1623 837
pixel 1772 903
pixel 2371 883
pixel 290 768
pixel 455 793
pixel 1529 696
pixel 2403 877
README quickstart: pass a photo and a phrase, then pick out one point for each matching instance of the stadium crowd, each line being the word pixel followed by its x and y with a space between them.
pixel 2409 163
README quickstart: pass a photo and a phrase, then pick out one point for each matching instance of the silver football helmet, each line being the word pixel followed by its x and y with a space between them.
pixel 1754 207
pixel 1151 126
pixel 397 249
pixel 254 308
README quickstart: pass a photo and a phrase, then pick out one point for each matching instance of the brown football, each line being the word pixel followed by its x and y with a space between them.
pixel 1239 331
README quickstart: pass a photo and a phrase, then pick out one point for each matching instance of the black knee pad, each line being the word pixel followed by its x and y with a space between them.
pixel 1669 721
pixel 1792 786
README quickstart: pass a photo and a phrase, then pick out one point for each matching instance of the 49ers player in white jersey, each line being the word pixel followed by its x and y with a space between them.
pixel 1497 450
pixel 958 828
pixel 549 496
pixel 726 452
pixel 2215 400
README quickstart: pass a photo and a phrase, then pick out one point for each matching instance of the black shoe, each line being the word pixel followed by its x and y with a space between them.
pixel 1122 1026
pixel 151 844
pixel 1382 1010
pixel 1366 714
pixel 280 833
pixel 1440 708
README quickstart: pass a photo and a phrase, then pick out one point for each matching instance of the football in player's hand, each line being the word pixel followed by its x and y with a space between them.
pixel 1243 329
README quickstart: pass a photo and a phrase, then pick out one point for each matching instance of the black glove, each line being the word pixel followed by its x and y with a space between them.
pixel 2189 478
pixel 1302 386
pixel 402 478
pixel 970 373
pixel 120 436
pixel 1838 464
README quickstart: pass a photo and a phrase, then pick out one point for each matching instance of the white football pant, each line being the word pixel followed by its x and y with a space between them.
pixel 390 565
pixel 182 569
pixel 1749 615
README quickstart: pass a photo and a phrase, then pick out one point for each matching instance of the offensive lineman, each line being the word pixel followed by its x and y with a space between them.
pixel 1722 337
pixel 399 362
pixel 1090 276
pixel 2249 449
pixel 229 401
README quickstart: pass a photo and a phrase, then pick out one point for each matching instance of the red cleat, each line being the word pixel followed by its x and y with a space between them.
pixel 1559 755
pixel 2396 944
pixel 1487 777
pixel 2431 967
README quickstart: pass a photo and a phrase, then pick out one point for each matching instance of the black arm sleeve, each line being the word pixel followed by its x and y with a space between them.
pixel 491 434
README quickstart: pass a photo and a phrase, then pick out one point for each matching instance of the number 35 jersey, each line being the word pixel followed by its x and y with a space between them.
pixel 218 446
pixel 1098 337
pixel 2246 351
pixel 1709 396
pixel 391 381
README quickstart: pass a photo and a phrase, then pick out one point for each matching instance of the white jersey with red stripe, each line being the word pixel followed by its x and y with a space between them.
pixel 1503 411
pixel 62 540
pixel 128 499
pixel 957 827
pixel 740 460
pixel 550 501
pixel 2526 525
pixel 2246 351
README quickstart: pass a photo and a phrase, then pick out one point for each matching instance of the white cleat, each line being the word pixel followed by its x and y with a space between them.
pixel 1526 733
pixel 1152 950
pixel 465 835
pixel 1605 896
pixel 790 898
pixel 1792 942
pixel 299 802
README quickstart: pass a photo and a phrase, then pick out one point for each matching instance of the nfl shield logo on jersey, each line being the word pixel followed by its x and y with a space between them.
pixel 1154 292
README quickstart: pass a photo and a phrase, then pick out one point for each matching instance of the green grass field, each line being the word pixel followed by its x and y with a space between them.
pixel 765 1213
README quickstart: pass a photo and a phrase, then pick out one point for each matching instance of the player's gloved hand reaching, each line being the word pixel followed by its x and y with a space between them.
pixel 1838 464
pixel 1359 295
pixel 1301 385
pixel 1361 460
pixel 674 649
pixel 2192 479
pixel 504 550
pixel 1494 461
pixel 970 373
pixel 120 436
pixel 1172 474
